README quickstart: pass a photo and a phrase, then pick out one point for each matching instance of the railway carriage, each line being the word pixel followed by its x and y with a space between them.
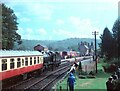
pixel 14 63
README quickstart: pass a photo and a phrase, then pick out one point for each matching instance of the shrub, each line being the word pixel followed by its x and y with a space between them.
pixel 110 68
pixel 90 76
pixel 115 61
pixel 82 76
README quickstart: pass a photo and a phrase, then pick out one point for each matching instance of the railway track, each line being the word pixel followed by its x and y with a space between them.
pixel 46 77
pixel 42 85
pixel 35 82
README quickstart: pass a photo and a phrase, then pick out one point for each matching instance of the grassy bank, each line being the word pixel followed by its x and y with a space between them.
pixel 92 84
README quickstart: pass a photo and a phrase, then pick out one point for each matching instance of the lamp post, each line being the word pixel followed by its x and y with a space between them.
pixel 95 58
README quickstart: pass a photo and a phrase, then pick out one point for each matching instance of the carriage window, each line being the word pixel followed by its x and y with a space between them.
pixel 30 60
pixel 26 61
pixel 38 60
pixel 4 64
pixel 12 64
pixel 18 62
pixel 34 60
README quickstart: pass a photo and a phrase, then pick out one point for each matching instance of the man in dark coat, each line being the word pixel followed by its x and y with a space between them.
pixel 110 84
pixel 71 82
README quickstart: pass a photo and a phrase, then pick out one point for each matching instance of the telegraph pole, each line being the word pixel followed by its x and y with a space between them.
pixel 95 58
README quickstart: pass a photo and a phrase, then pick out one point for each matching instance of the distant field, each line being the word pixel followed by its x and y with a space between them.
pixel 92 84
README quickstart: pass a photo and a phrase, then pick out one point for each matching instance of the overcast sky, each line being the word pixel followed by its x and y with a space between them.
pixel 61 19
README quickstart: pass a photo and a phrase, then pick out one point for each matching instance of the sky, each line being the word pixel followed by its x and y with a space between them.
pixel 61 19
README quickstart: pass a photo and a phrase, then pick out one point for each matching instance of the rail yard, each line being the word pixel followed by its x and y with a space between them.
pixel 39 78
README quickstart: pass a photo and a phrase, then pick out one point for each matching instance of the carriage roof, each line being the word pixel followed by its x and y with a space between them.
pixel 7 53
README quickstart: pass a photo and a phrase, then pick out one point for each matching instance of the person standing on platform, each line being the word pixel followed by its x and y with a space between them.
pixel 109 84
pixel 71 81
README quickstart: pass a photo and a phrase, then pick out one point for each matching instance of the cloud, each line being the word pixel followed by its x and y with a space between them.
pixel 40 9
pixel 33 7
pixel 81 24
pixel 69 24
pixel 74 20
pixel 42 31
pixel 50 37
pixel 62 32
pixel 81 28
pixel 29 33
pixel 24 19
pixel 59 21
pixel 24 34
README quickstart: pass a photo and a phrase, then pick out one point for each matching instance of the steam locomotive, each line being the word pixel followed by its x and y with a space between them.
pixel 51 59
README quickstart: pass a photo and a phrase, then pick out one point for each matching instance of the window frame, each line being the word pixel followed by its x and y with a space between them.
pixel 12 63
pixel 30 60
pixel 26 60
pixel 35 61
pixel 5 63
pixel 18 62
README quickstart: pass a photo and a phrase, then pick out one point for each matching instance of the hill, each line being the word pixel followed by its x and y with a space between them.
pixel 54 44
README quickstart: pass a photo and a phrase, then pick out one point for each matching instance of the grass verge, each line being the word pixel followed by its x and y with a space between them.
pixel 87 84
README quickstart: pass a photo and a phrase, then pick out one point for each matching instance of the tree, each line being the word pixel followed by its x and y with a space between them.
pixel 9 28
pixel 107 43
pixel 116 35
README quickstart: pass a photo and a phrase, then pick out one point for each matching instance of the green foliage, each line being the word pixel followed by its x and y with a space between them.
pixel 110 65
pixel 9 28
pixel 103 60
pixel 107 43
pixel 116 35
pixel 110 45
pixel 116 29
pixel 115 61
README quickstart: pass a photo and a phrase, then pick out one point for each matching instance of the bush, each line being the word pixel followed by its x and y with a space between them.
pixel 115 61
pixel 103 60
pixel 90 76
pixel 82 76
pixel 84 73
pixel 110 68
pixel 111 65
